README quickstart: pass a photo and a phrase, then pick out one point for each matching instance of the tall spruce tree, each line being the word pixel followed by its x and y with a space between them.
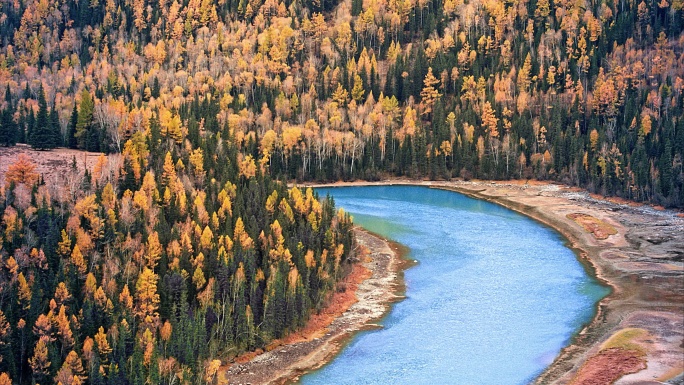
pixel 26 121
pixel 27 92
pixel 85 119
pixel 93 143
pixel 4 132
pixel 7 125
pixel 42 137
pixel 357 7
pixel 57 137
pixel 70 140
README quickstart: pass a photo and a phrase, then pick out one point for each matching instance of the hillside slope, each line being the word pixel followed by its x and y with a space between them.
pixel 587 93
pixel 184 248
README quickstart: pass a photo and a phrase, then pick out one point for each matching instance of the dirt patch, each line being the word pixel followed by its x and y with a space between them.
pixel 373 284
pixel 51 165
pixel 616 200
pixel 600 229
pixel 608 366
pixel 654 333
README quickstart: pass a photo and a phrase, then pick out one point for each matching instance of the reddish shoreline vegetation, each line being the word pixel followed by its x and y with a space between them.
pixel 363 298
pixel 637 334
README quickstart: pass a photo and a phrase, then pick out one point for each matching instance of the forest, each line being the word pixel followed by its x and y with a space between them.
pixel 156 283
pixel 183 246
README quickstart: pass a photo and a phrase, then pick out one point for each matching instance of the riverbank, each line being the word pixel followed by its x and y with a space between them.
pixel 637 335
pixel 362 298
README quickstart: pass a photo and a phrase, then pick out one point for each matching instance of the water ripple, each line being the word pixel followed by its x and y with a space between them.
pixel 492 301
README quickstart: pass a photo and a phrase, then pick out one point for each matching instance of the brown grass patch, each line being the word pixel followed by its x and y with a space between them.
pixel 616 200
pixel 608 366
pixel 621 354
pixel 601 230
pixel 515 182
pixel 596 196
pixel 623 201
pixel 626 339
pixel 522 182
pixel 52 165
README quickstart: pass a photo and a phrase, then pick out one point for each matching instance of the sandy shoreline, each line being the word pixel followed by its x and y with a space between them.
pixel 637 250
pixel 377 290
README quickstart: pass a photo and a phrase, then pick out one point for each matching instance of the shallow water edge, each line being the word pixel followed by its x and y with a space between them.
pixel 640 263
pixel 478 312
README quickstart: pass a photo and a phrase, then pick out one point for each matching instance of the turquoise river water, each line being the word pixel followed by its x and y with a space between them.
pixel 492 300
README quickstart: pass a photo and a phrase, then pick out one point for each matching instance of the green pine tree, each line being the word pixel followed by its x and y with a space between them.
pixel 4 132
pixel 55 127
pixel 7 126
pixel 666 169
pixel 93 142
pixel 357 7
pixel 27 92
pixel 26 122
pixel 42 137
pixel 70 140
pixel 85 120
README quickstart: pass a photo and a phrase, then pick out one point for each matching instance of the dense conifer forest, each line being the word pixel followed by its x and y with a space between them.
pixel 154 284
pixel 181 247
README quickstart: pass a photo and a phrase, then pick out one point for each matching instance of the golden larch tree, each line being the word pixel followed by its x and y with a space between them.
pixel 125 298
pixel 62 294
pixel 490 121
pixel 524 74
pixel 357 91
pixel 4 331
pixel 66 336
pixel 40 363
pixel 429 94
pixel 147 298
pixel 78 260
pixel 22 171
pixel 25 293
pixel 154 250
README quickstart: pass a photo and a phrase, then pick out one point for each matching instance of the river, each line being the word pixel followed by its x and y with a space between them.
pixel 492 300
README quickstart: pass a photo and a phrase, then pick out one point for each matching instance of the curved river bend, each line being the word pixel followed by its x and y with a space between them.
pixel 493 299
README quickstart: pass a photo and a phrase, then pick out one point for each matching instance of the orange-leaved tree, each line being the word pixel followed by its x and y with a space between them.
pixel 23 171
